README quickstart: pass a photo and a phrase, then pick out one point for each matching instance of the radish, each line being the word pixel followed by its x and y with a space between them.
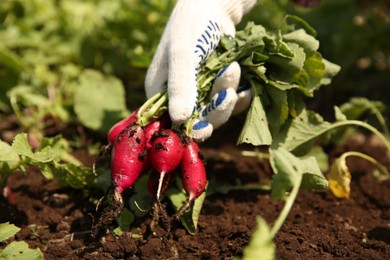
pixel 128 157
pixel 127 160
pixel 155 126
pixel 193 173
pixel 150 131
pixel 115 130
pixel 165 154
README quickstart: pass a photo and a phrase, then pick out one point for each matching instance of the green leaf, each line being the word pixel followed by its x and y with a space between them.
pixel 278 112
pixel 104 179
pixel 178 198
pixel 357 106
pixel 19 250
pixel 304 129
pixel 141 202
pixel 312 175
pixel 331 70
pixel 99 100
pixel 125 219
pixel 196 209
pixel 315 70
pixel 291 171
pixel 190 218
pixel 303 39
pixel 321 157
pixel 21 145
pixel 286 68
pixel 255 130
pixel 286 168
pixel 261 245
pixel 7 230
pixel 10 60
pixel 75 176
pixel 9 161
pixel 293 22
pixel 54 160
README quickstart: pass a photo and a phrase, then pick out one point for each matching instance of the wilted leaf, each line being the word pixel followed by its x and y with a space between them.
pixel 339 178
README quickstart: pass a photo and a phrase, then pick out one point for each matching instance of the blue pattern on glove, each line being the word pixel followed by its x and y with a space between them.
pixel 215 102
pixel 207 42
pixel 200 125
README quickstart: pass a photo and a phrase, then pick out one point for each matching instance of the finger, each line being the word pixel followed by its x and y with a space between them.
pixel 201 130
pixel 182 85
pixel 228 29
pixel 244 99
pixel 218 111
pixel 157 73
pixel 185 58
pixel 227 77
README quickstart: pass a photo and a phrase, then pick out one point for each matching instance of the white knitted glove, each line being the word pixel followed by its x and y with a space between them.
pixel 191 35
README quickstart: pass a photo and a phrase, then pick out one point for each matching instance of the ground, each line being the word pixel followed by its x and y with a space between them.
pixel 58 220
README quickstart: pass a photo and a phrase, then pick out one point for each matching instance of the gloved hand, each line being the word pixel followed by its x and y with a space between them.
pixel 191 35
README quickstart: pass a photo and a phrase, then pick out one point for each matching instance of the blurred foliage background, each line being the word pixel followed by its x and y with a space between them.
pixel 84 61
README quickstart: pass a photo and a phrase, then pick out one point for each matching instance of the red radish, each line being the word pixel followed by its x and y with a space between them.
pixel 127 160
pixel 193 174
pixel 165 154
pixel 155 126
pixel 128 156
pixel 193 171
pixel 150 130
pixel 118 127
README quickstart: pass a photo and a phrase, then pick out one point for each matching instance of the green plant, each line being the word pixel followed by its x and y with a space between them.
pixel 16 249
pixel 53 158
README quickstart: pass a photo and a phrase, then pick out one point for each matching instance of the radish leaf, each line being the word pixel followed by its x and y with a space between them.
pixel 7 230
pixel 99 100
pixel 261 245
pixel 255 130
pixel 19 250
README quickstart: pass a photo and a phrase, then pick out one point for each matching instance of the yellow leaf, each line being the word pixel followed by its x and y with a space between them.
pixel 339 178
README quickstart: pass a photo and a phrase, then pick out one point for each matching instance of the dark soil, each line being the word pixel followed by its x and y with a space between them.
pixel 58 220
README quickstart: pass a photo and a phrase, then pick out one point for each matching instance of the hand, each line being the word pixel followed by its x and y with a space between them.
pixel 227 99
pixel 191 35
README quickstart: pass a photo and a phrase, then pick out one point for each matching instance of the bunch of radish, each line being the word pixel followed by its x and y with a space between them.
pixel 156 146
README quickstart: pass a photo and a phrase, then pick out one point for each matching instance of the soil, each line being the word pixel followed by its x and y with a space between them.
pixel 58 220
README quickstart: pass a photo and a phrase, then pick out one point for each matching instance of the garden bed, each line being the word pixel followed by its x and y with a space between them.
pixel 58 220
